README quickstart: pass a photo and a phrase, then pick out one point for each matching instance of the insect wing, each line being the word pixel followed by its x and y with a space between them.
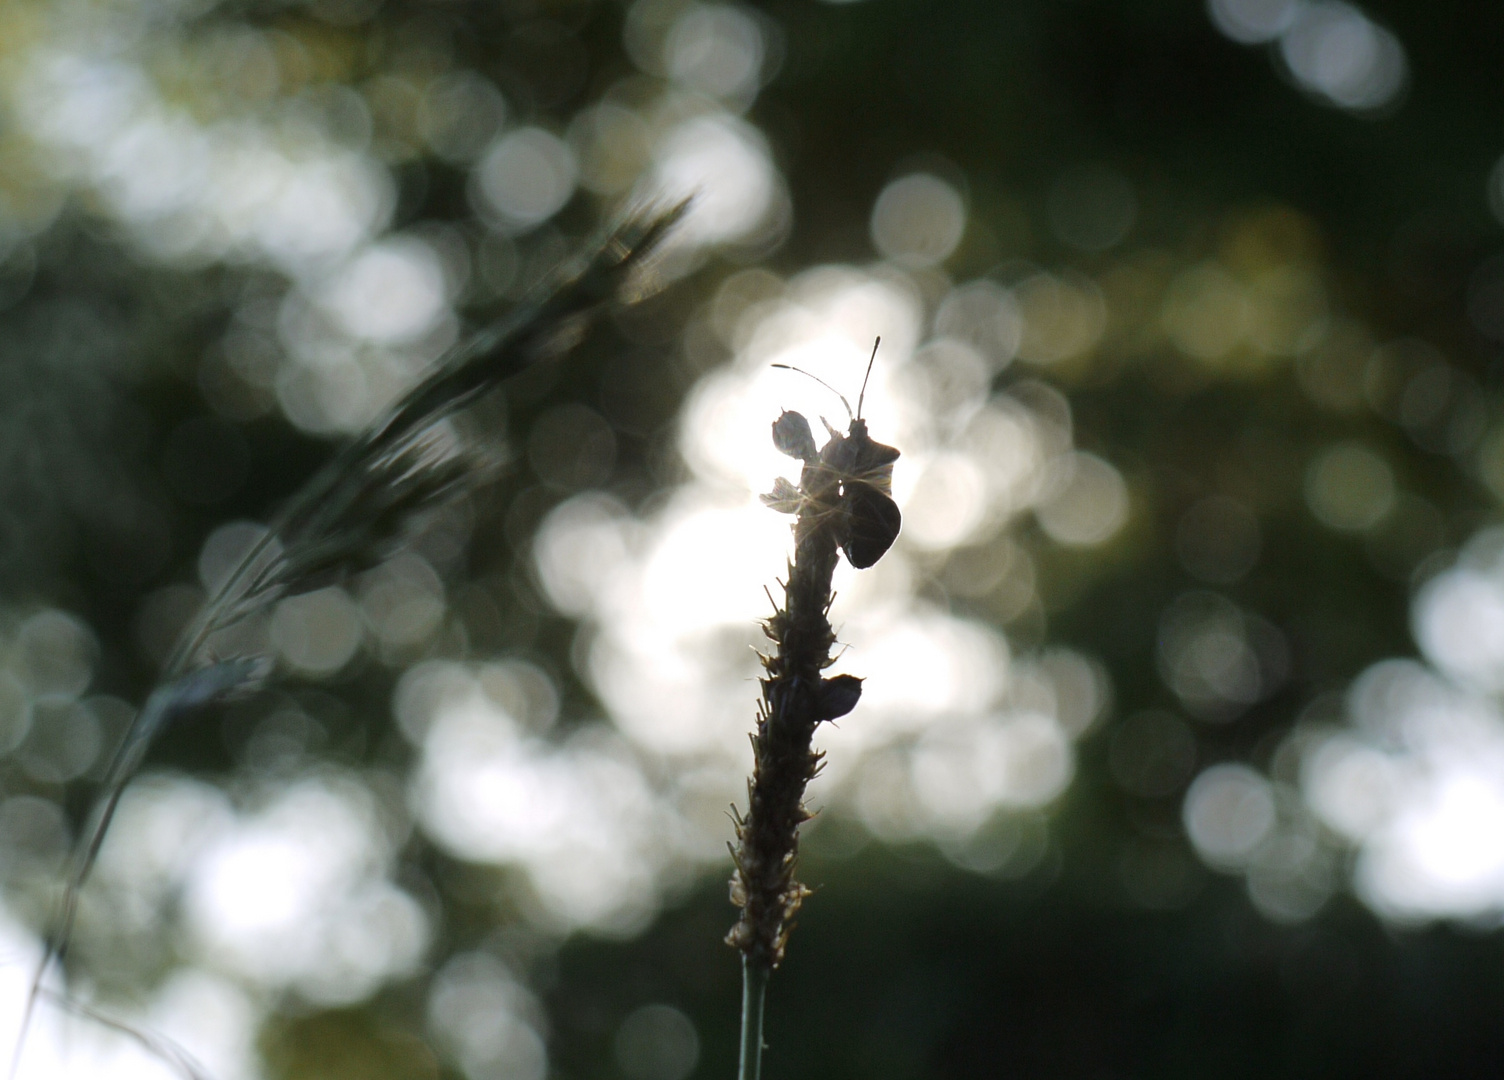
pixel 785 497
pixel 871 525
pixel 858 457
pixel 875 466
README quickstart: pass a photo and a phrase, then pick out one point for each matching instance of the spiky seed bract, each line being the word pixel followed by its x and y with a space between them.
pixel 842 503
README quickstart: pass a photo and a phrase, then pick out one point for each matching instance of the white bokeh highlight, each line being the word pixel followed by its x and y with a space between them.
pixel 1330 49
pixel 723 163
pixel 1410 781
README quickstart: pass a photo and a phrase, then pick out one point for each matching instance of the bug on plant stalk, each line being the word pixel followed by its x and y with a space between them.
pixel 852 473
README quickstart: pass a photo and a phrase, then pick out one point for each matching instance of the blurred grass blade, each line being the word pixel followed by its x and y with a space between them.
pixel 351 513
pixel 159 1046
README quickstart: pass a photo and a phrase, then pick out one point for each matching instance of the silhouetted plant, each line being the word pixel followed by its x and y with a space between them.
pixel 843 503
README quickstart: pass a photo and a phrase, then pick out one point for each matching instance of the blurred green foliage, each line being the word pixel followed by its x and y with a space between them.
pixel 903 966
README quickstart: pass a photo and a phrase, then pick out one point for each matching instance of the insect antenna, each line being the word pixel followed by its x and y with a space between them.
pixel 822 382
pixel 863 395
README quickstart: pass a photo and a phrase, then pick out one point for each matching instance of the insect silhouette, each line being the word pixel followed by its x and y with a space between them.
pixel 851 477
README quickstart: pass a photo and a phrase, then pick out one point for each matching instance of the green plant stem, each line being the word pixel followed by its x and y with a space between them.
pixel 754 993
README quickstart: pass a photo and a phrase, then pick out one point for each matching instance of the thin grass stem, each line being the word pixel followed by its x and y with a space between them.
pixel 754 996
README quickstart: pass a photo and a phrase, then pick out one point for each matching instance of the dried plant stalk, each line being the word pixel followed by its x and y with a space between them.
pixel 792 706
pixel 842 504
